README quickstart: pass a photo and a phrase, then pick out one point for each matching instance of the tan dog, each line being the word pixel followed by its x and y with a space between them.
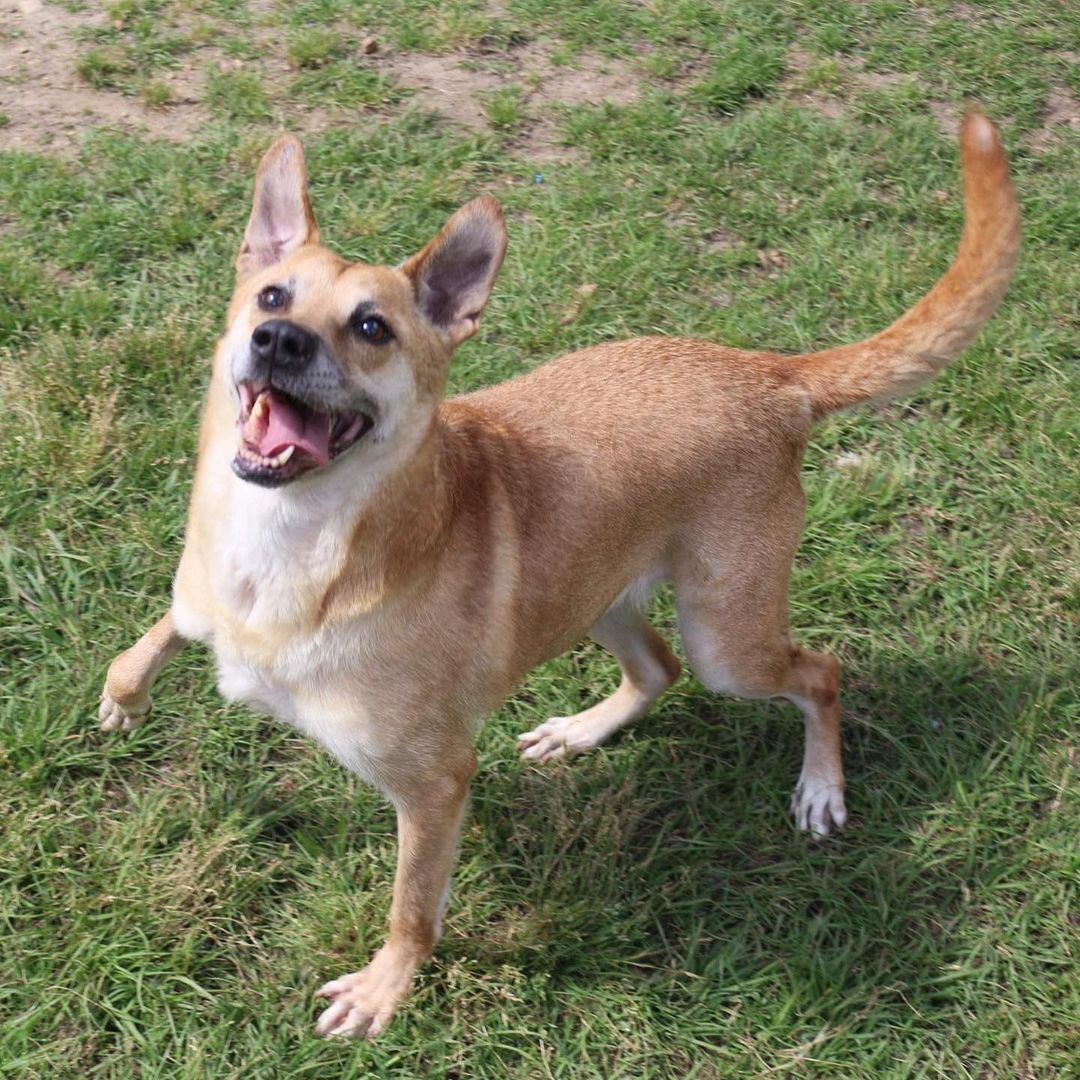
pixel 380 567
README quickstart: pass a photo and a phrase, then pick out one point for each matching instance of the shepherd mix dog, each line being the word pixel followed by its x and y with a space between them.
pixel 379 567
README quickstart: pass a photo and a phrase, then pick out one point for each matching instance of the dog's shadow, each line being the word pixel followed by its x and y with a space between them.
pixel 669 855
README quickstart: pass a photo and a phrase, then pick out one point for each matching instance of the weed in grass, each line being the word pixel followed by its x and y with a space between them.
pixel 237 95
pixel 312 47
pixel 128 11
pixel 505 108
pixel 157 94
pixel 206 32
pixel 345 84
pixel 103 68
pixel 823 75
pixel 662 65
pixel 746 69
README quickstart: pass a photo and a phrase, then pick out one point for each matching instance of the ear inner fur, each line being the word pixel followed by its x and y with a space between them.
pixel 281 216
pixel 453 275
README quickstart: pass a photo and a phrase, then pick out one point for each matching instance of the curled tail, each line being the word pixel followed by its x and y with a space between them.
pixel 948 318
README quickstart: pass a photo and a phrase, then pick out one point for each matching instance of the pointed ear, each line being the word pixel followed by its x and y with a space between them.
pixel 453 275
pixel 281 218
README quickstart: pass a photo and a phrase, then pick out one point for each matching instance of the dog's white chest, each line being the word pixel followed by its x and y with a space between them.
pixel 261 688
pixel 307 687
pixel 271 566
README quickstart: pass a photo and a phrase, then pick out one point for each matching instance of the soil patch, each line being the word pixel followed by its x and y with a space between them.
pixel 49 107
pixel 1061 115
pixel 460 85
pixel 948 117
pixel 798 63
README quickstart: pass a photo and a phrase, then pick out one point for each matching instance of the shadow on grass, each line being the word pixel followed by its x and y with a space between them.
pixel 669 858
pixel 662 870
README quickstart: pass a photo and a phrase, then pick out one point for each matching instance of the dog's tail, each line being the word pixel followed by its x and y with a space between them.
pixel 947 319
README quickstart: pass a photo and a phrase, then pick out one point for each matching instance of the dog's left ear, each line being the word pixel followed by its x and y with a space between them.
pixel 453 275
pixel 281 218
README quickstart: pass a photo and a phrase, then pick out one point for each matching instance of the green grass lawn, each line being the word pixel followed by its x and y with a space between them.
pixel 779 176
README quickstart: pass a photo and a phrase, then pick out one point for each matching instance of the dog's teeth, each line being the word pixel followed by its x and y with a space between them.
pixel 265 462
pixel 259 408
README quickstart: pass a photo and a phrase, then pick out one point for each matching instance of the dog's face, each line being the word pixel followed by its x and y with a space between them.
pixel 325 357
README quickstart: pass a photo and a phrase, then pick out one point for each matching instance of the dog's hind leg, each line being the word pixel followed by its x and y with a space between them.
pixel 125 701
pixel 732 602
pixel 648 668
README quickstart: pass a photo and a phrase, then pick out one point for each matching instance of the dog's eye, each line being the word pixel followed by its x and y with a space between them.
pixel 272 298
pixel 372 328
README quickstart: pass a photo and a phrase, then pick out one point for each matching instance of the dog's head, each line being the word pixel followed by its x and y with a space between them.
pixel 326 357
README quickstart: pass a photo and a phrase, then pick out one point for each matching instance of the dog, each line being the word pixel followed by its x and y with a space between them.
pixel 380 567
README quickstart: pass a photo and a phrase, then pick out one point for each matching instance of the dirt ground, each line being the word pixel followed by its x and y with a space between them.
pixel 47 106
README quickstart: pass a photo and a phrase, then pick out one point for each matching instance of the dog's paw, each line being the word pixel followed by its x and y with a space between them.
pixel 364 1002
pixel 558 737
pixel 112 716
pixel 818 806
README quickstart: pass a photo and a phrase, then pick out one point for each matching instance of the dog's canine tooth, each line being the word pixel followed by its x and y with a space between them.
pixel 260 406
pixel 285 454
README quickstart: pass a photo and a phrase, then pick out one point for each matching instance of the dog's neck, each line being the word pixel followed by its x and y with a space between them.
pixel 337 545
pixel 398 534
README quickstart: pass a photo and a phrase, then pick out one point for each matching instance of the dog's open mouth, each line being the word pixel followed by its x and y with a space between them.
pixel 282 437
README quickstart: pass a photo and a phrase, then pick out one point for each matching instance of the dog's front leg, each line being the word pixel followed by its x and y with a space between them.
pixel 429 820
pixel 125 701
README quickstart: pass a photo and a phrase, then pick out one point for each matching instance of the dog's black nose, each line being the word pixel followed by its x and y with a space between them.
pixel 283 344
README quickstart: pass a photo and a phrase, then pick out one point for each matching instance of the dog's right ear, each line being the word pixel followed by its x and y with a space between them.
pixel 281 219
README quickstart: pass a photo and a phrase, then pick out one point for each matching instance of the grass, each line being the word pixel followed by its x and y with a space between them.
pixel 169 901
pixel 313 48
pixel 238 96
pixel 103 68
pixel 157 94
pixel 504 108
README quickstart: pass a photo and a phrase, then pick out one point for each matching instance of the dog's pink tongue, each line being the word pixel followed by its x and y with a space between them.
pixel 282 425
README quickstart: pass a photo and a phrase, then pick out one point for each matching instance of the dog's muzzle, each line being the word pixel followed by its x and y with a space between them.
pixel 285 430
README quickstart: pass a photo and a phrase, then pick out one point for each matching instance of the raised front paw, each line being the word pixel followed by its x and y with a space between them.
pixel 112 716
pixel 363 1002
